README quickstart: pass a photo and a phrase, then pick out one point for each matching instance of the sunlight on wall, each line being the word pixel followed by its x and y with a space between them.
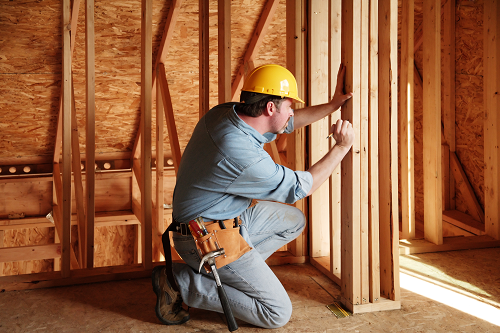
pixel 451 298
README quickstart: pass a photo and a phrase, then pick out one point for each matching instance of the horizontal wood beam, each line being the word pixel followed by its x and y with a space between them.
pixel 36 252
pixel 449 244
pixel 463 221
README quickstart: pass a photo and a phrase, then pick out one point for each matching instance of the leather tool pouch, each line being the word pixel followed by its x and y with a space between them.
pixel 229 239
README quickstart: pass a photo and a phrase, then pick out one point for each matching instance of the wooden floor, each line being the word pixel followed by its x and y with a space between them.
pixel 127 306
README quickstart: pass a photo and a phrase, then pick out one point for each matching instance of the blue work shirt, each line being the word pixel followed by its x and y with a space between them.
pixel 224 167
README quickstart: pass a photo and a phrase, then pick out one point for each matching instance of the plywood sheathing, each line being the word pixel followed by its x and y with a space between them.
pixel 469 102
pixel 30 81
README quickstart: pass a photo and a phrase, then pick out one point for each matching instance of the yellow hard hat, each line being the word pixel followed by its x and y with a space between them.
pixel 272 80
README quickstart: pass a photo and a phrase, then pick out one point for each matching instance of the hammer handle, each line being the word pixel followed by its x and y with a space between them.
pixel 231 322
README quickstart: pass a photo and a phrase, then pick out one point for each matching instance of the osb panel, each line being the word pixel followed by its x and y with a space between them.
pixel 32 100
pixel 114 246
pixel 28 118
pixel 28 237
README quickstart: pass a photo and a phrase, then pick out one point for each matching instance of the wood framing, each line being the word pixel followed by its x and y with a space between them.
pixel 388 156
pixel 363 260
pixel 491 74
pixel 432 122
pixel 296 39
pixel 319 201
pixel 204 53
pixel 90 133
pixel 66 141
pixel 224 52
pixel 373 174
pixel 253 48
pixel 406 121
pixel 448 70
pixel 146 107
pixel 335 184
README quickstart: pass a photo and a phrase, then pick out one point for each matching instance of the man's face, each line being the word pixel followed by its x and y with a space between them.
pixel 282 116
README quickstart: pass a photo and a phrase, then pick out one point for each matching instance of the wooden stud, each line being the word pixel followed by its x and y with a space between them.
pixel 2 233
pixel 296 46
pixel 90 132
pixel 335 182
pixel 169 116
pixel 34 252
pixel 77 179
pixel 146 107
pixel 464 221
pixel 363 152
pixel 224 51
pixel 373 171
pixel 318 93
pixel 491 73
pixel 465 188
pixel 350 177
pixel 407 121
pixel 66 139
pixel 449 97
pixel 168 32
pixel 204 29
pixel 166 38
pixel 158 227
pixel 388 153
pixel 432 122
pixel 253 47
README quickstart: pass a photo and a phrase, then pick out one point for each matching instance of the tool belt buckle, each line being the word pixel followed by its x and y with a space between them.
pixel 184 230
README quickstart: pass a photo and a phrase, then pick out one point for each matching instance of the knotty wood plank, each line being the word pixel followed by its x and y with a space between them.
pixel 296 34
pixel 363 152
pixel 432 122
pixel 388 155
pixel 374 250
pixel 34 252
pixel 350 176
pixel 335 181
pixel 318 93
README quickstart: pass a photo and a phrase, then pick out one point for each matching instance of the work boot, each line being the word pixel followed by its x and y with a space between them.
pixel 168 302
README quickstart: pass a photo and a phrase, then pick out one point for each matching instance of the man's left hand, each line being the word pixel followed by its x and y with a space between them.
pixel 339 97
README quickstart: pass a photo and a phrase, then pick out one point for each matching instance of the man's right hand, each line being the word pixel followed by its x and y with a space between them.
pixel 343 133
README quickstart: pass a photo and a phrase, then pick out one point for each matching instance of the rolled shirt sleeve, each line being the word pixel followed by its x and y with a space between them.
pixel 267 180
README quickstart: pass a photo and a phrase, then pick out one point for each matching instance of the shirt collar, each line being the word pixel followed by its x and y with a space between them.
pixel 244 127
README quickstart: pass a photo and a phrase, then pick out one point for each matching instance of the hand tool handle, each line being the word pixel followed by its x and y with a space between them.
pixel 231 322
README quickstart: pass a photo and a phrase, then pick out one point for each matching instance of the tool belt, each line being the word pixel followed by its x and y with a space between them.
pixel 219 234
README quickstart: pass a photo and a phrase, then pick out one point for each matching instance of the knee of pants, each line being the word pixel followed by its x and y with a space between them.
pixel 278 317
pixel 297 218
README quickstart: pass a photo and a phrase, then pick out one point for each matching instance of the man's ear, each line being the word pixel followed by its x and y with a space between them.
pixel 269 108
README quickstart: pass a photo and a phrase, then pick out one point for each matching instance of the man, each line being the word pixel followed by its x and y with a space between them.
pixel 223 169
